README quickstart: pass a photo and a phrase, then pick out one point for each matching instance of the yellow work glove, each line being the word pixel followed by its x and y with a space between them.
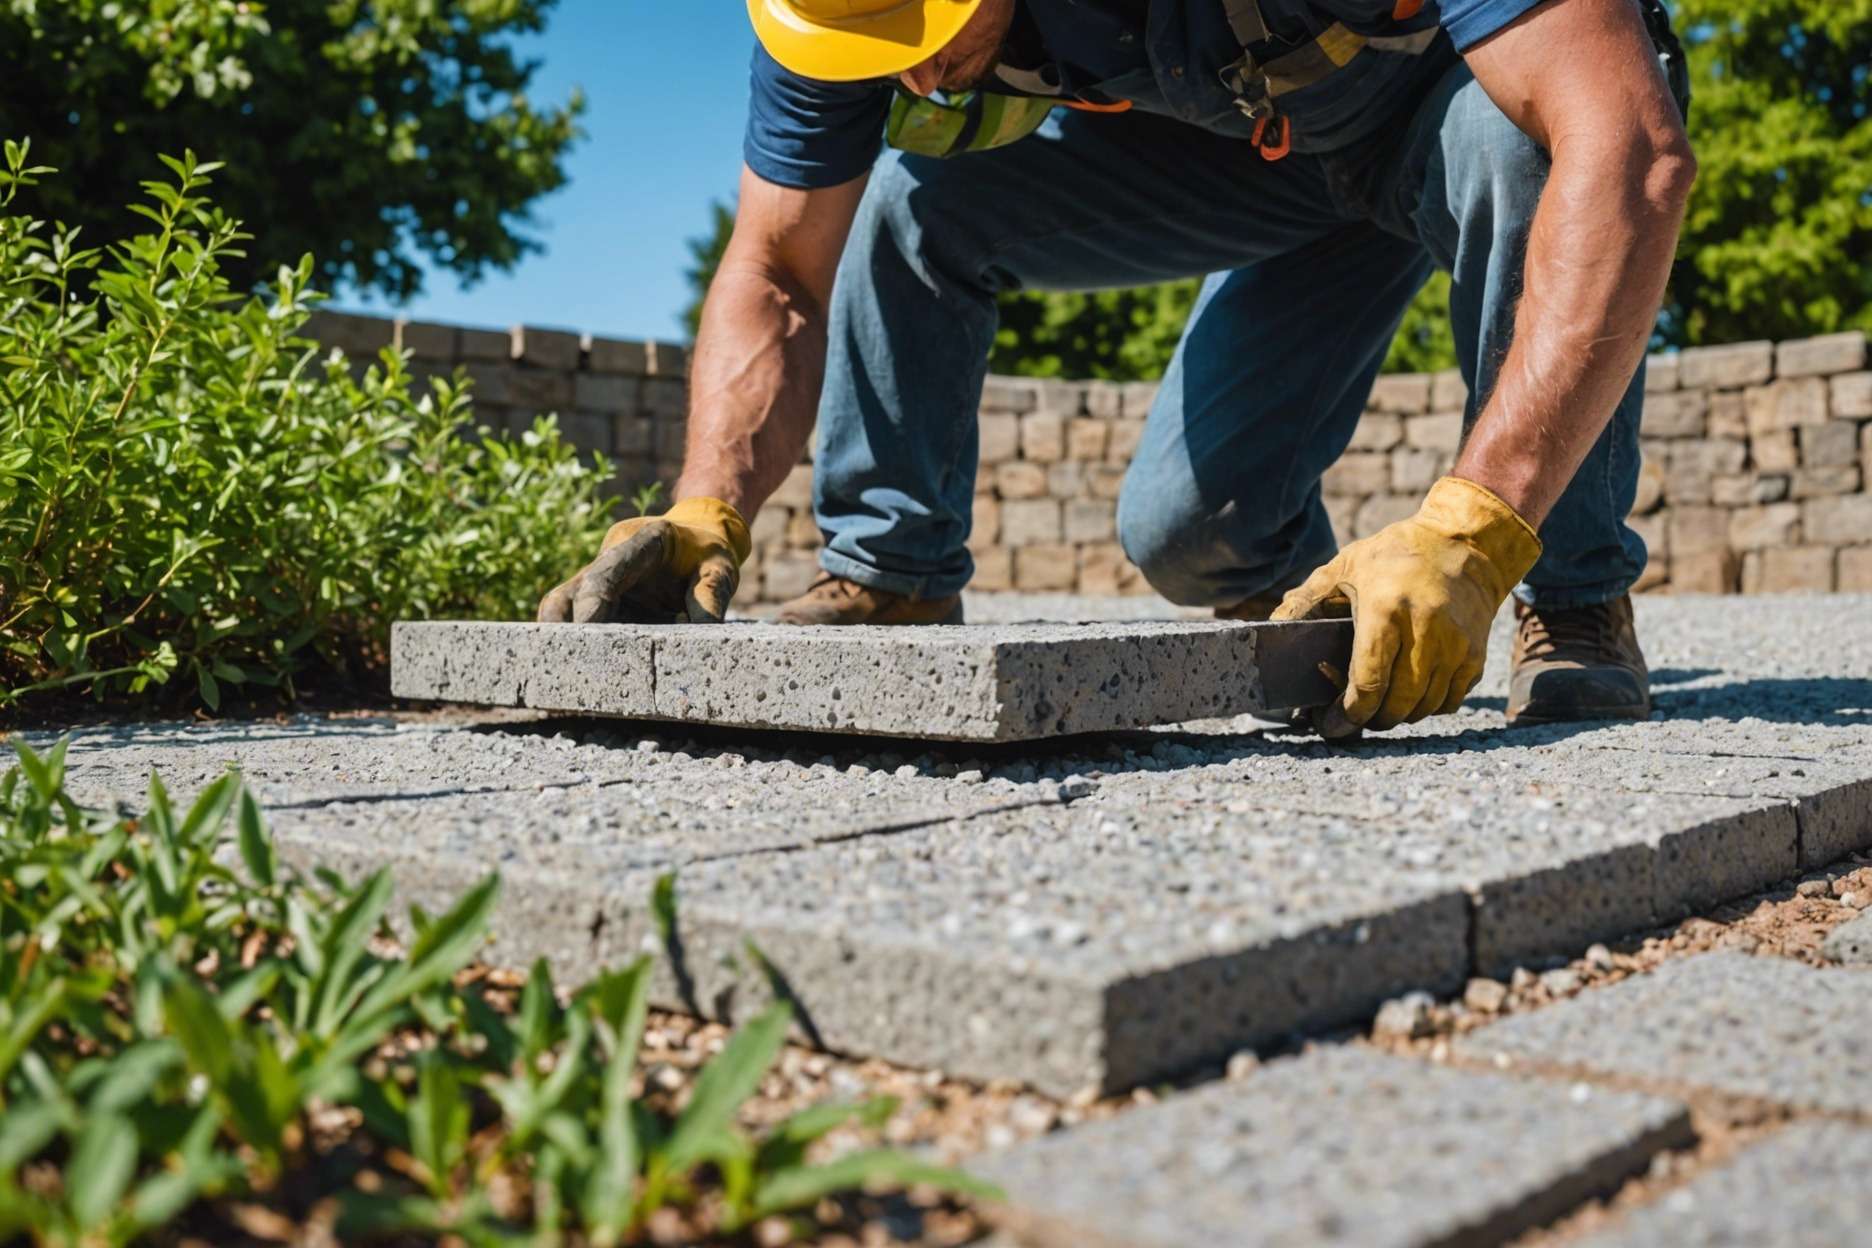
pixel 683 564
pixel 1422 594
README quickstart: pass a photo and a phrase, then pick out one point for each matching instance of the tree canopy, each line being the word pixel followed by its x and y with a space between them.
pixel 366 132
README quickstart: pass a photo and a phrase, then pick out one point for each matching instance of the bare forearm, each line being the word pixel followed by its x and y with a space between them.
pixel 1598 258
pixel 753 387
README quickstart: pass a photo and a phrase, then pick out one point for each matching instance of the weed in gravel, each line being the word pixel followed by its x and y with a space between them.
pixel 193 1038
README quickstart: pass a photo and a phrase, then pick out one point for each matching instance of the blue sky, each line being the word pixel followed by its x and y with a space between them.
pixel 666 88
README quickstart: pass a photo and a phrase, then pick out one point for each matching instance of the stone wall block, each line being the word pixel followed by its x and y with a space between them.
pixel 1383 509
pixel 1819 357
pixel 1661 373
pixel 1448 390
pixel 1104 480
pixel 663 397
pixel 588 431
pixel 1061 397
pixel 1357 474
pixel 802 531
pixel 1103 569
pixel 1104 400
pixel 1786 405
pixel 1775 452
pixel 1405 393
pixel 1747 489
pixel 1377 431
pixel 1823 446
pixel 1726 367
pixel 1821 482
pixel 1842 521
pixel 1000 437
pixel 1086 437
pixel 1852 396
pixel 1030 522
pixel 670 437
pixel 1705 572
pixel 1788 570
pixel 547 348
pixel 1650 486
pixel 994 569
pixel 493 383
pixel 489 345
pixel 1011 395
pixel 1656 534
pixel 1413 471
pixel 605 392
pixel 1090 520
pixel 632 434
pixel 540 388
pixel 1123 442
pixel 1698 530
pixel 1066 479
pixel 1692 465
pixel 1439 431
pixel 984 523
pixel 354 335
pixel 1675 414
pixel 1046 568
pixel 667 359
pixel 788 574
pixel 1139 396
pixel 427 340
pixel 1728 415
pixel 1753 528
pixel 1854 574
pixel 613 355
pixel 1043 437
pixel 769 526
pixel 1018 478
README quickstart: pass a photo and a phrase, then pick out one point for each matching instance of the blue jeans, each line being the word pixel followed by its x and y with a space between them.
pixel 1313 261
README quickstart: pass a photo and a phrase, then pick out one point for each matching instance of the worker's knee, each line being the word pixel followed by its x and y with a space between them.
pixel 1173 545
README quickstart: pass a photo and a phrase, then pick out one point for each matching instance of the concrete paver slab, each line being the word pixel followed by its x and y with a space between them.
pixel 1805 1185
pixel 974 683
pixel 1758 1027
pixel 1341 1146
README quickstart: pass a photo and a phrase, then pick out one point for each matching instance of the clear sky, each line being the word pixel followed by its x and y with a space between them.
pixel 666 87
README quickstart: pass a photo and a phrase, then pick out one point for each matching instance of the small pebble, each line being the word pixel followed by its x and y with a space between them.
pixel 1561 983
pixel 971 776
pixel 1599 958
pixel 1522 979
pixel 1855 901
pixel 1486 996
pixel 906 772
pixel 1405 1017
pixel 1243 1064
pixel 1813 888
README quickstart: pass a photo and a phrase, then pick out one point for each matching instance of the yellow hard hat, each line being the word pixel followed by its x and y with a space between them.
pixel 851 40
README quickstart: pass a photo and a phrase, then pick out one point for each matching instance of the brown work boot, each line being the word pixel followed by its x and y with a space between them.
pixel 835 600
pixel 1577 663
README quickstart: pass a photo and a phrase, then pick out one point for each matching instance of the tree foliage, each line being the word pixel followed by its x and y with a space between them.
pixel 366 132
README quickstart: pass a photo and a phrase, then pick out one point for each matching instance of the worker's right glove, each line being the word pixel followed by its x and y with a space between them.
pixel 1422 594
pixel 682 565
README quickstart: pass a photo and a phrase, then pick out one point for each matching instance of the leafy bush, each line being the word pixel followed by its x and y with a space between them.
pixel 182 1043
pixel 187 486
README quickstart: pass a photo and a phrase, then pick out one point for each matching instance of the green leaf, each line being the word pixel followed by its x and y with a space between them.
pixel 533 1020
pixel 438 1123
pixel 103 1161
pixel 802 1186
pixel 447 946
pixel 621 1002
pixel 210 690
pixel 210 810
pixel 725 1083
pixel 256 846
pixel 787 1143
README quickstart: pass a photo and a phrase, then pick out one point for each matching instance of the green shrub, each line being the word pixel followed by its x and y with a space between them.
pixel 182 1041
pixel 188 487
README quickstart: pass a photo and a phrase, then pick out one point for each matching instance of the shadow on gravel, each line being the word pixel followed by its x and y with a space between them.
pixel 1819 701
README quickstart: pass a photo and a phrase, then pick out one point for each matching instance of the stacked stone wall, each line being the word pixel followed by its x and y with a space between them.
pixel 1757 473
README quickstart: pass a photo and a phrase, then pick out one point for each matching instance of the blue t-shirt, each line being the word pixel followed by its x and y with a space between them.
pixel 1165 56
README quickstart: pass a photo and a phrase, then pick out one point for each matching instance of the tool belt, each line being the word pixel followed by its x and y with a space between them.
pixel 977 121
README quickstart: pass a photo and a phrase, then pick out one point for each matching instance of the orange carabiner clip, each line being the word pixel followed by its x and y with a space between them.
pixel 1282 140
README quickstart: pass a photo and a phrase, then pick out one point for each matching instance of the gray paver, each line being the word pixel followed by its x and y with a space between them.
pixel 1805 1185
pixel 1099 910
pixel 1851 941
pixel 1758 1027
pixel 1003 682
pixel 1344 1146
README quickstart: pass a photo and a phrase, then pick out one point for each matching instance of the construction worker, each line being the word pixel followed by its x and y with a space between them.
pixel 1317 158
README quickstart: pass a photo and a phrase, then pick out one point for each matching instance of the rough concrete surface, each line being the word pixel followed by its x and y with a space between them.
pixel 1805 1186
pixel 1763 1028
pixel 996 682
pixel 1851 942
pixel 1341 1146
pixel 1105 909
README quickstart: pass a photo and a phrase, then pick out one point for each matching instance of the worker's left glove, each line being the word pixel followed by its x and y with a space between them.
pixel 1422 594
pixel 683 564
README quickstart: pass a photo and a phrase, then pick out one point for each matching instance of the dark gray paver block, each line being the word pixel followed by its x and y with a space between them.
pixel 1748 1026
pixel 1805 1185
pixel 1004 682
pixel 1342 1146
pixel 1851 941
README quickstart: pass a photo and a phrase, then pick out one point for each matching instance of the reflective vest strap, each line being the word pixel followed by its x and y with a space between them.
pixel 1244 19
pixel 1313 62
